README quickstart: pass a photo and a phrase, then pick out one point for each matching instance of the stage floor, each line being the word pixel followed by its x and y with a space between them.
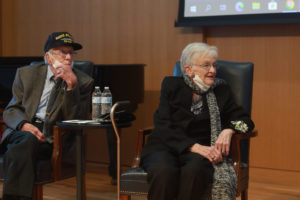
pixel 99 188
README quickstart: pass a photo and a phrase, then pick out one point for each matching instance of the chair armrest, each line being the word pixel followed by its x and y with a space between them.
pixel 236 156
pixel 57 152
pixel 142 133
pixel 236 138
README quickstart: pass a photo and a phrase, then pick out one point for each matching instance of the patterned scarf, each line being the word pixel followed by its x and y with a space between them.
pixel 225 181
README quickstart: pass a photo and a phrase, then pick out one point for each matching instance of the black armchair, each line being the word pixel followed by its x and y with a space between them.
pixel 239 75
pixel 57 168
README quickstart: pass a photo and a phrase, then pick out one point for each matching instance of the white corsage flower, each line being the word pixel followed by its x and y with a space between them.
pixel 239 126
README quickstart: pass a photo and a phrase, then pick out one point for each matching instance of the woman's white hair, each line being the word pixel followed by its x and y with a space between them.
pixel 196 48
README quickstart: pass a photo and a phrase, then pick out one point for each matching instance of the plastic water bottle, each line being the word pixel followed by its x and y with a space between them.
pixel 106 101
pixel 96 104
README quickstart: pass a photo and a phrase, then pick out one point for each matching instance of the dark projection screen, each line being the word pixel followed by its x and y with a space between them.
pixel 237 12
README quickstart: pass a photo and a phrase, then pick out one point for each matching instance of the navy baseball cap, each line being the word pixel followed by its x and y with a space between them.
pixel 57 39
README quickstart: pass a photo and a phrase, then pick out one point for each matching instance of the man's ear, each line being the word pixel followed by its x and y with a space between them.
pixel 47 56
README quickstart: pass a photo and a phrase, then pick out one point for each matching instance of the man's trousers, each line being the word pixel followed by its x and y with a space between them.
pixel 21 152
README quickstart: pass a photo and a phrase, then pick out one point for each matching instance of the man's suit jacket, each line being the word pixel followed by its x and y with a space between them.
pixel 27 90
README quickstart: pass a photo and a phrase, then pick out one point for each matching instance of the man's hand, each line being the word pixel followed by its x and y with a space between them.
pixel 209 152
pixel 65 72
pixel 224 140
pixel 34 130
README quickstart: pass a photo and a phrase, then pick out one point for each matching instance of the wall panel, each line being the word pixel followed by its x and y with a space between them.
pixel 274 50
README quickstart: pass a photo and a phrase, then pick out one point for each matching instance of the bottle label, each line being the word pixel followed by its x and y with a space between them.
pixel 96 100
pixel 106 100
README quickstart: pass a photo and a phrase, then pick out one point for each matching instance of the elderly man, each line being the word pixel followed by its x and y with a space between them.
pixel 42 94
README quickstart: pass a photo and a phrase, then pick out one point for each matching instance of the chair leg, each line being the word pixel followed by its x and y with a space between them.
pixel 125 197
pixel 38 192
pixel 83 188
pixel 244 195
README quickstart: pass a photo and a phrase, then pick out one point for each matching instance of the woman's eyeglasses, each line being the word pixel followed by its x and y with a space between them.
pixel 207 66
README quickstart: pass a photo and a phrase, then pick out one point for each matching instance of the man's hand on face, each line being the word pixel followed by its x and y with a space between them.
pixel 65 72
pixel 61 60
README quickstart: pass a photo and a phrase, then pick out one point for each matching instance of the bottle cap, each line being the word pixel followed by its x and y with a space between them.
pixel 106 87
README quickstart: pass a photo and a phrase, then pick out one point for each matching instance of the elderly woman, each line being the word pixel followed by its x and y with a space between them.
pixel 186 157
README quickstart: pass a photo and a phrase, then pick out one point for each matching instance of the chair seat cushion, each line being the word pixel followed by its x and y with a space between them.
pixel 134 181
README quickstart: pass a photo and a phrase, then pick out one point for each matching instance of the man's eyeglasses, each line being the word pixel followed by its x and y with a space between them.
pixel 63 53
pixel 207 66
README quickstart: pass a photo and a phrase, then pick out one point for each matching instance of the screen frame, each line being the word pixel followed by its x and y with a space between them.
pixel 220 20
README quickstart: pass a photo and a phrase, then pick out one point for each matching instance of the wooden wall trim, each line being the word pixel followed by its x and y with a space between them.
pixel 274 51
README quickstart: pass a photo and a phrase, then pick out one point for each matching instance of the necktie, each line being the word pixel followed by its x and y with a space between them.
pixel 53 95
pixel 54 92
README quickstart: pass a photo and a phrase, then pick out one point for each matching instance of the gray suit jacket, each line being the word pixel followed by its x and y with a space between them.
pixel 27 90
